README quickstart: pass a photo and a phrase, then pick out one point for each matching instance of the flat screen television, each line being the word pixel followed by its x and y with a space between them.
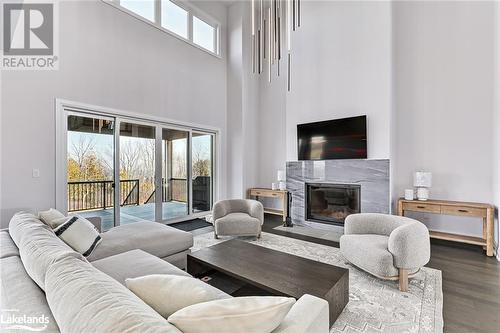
pixel 332 139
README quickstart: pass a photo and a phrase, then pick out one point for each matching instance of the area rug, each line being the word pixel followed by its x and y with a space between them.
pixel 374 305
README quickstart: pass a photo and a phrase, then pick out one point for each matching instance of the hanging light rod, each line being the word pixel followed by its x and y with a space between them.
pixel 253 36
pixel 273 20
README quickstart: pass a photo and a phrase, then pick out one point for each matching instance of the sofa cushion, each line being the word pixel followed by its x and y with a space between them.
pixel 7 246
pixel 370 253
pixel 21 295
pixel 135 263
pixel 169 293
pixel 237 224
pixel 239 314
pixel 38 246
pixel 152 237
pixel 52 217
pixel 83 299
pixel 309 314
pixel 80 234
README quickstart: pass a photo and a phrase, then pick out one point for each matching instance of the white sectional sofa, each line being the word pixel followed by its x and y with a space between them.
pixel 42 276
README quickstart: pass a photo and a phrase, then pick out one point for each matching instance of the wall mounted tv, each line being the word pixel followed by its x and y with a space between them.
pixel 332 139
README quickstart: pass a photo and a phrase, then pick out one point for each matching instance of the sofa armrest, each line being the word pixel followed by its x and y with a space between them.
pixel 256 209
pixel 219 210
pixel 308 315
pixel 410 245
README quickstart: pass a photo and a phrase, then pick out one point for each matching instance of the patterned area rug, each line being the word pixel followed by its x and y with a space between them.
pixel 375 305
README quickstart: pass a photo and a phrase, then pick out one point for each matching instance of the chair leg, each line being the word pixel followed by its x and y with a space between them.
pixel 215 236
pixel 403 279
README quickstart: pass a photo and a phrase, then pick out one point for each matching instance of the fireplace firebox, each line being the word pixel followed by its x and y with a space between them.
pixel 331 203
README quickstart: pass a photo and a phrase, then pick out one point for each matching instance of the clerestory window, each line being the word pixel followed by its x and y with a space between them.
pixel 179 18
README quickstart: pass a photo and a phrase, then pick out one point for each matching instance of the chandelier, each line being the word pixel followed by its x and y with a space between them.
pixel 273 20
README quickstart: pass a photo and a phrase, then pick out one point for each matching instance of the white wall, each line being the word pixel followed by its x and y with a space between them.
pixel 243 104
pixel 111 59
pixel 341 67
pixel 421 71
pixel 443 98
pixel 272 126
pixel 235 101
pixel 251 115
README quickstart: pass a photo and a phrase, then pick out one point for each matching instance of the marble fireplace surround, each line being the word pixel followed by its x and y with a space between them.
pixel 372 175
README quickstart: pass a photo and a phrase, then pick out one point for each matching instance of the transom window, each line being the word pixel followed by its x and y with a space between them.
pixel 178 18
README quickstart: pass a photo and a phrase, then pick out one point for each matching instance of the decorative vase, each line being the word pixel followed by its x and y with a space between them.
pixel 422 193
pixel 409 194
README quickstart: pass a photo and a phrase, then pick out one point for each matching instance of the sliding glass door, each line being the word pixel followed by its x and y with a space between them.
pixel 137 172
pixel 175 168
pixel 163 173
pixel 202 170
pixel 90 167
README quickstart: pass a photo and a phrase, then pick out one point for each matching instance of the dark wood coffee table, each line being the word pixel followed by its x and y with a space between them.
pixel 276 272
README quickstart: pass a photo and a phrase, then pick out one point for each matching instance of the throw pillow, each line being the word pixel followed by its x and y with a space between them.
pixel 255 314
pixel 79 234
pixel 168 293
pixel 52 217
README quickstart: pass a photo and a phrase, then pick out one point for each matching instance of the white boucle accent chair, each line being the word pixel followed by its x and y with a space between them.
pixel 238 217
pixel 387 246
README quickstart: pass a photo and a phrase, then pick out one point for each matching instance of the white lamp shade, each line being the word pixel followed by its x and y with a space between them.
pixel 422 179
pixel 281 175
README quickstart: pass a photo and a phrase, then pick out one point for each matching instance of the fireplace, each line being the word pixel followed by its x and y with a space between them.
pixel 331 203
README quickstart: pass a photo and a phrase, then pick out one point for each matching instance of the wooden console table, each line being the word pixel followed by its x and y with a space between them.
pixel 470 209
pixel 268 193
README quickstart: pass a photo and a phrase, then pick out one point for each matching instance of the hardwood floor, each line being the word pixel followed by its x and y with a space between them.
pixel 471 282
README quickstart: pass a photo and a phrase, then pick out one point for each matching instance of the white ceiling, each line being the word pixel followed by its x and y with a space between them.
pixel 228 3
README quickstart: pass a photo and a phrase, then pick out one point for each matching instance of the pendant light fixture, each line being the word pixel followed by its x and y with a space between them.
pixel 270 20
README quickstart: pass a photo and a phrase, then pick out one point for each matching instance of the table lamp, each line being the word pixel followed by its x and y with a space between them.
pixel 422 180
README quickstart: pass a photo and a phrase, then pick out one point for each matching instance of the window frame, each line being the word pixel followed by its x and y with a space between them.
pixel 191 10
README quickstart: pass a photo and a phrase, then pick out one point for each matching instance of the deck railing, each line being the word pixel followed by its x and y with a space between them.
pixel 99 194
pixel 174 189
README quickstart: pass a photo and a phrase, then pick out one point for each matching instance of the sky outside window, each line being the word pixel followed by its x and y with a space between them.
pixel 203 34
pixel 144 8
pixel 174 18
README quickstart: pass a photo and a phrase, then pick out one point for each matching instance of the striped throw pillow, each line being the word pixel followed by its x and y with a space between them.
pixel 80 234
